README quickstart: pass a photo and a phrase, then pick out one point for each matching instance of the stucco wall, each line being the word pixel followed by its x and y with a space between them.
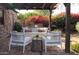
pixel 9 18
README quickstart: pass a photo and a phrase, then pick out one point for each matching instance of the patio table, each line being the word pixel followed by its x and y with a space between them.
pixel 37 46
pixel 49 38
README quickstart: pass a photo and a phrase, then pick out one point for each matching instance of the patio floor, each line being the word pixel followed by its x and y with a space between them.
pixel 18 50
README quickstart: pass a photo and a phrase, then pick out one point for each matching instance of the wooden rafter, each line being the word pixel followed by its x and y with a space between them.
pixel 30 5
pixel 43 5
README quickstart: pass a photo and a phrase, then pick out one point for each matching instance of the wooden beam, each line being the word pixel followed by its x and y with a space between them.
pixel 43 5
pixel 53 6
pixel 67 28
pixel 30 5
pixel 50 10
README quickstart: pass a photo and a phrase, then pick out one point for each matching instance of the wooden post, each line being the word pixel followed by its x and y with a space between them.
pixel 67 28
pixel 50 10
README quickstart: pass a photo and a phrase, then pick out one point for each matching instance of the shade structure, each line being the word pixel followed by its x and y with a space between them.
pixel 30 5
pixel 42 6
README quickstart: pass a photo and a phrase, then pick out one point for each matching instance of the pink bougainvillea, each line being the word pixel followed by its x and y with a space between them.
pixel 75 16
pixel 39 19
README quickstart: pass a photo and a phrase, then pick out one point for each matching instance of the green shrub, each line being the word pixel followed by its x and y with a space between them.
pixel 75 47
pixel 77 26
pixel 60 23
pixel 17 27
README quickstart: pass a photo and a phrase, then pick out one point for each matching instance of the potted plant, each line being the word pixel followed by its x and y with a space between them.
pixel 56 30
pixel 37 37
pixel 17 27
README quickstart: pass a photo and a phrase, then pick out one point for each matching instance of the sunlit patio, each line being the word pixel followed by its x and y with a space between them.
pixel 39 33
pixel 17 50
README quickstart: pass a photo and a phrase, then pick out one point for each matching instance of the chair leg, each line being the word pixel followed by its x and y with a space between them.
pixel 23 48
pixel 45 49
pixel 9 47
pixel 61 45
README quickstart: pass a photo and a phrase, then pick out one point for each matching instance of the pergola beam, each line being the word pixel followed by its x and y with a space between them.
pixel 50 16
pixel 43 5
pixel 50 10
pixel 31 5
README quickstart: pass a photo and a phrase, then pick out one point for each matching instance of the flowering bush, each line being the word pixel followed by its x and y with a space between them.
pixel 75 16
pixel 59 21
pixel 39 19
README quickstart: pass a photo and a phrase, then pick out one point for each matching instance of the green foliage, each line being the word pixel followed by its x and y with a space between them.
pixel 77 26
pixel 30 14
pixel 22 16
pixel 35 13
pixel 17 27
pixel 75 47
pixel 42 12
pixel 26 15
pixel 59 21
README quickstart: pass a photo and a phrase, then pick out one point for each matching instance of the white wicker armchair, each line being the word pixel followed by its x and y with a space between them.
pixel 53 38
pixel 19 39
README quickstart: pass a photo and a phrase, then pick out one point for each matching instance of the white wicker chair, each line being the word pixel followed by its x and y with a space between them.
pixel 52 39
pixel 19 39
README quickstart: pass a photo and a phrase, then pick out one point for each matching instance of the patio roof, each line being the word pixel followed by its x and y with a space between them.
pixel 30 5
